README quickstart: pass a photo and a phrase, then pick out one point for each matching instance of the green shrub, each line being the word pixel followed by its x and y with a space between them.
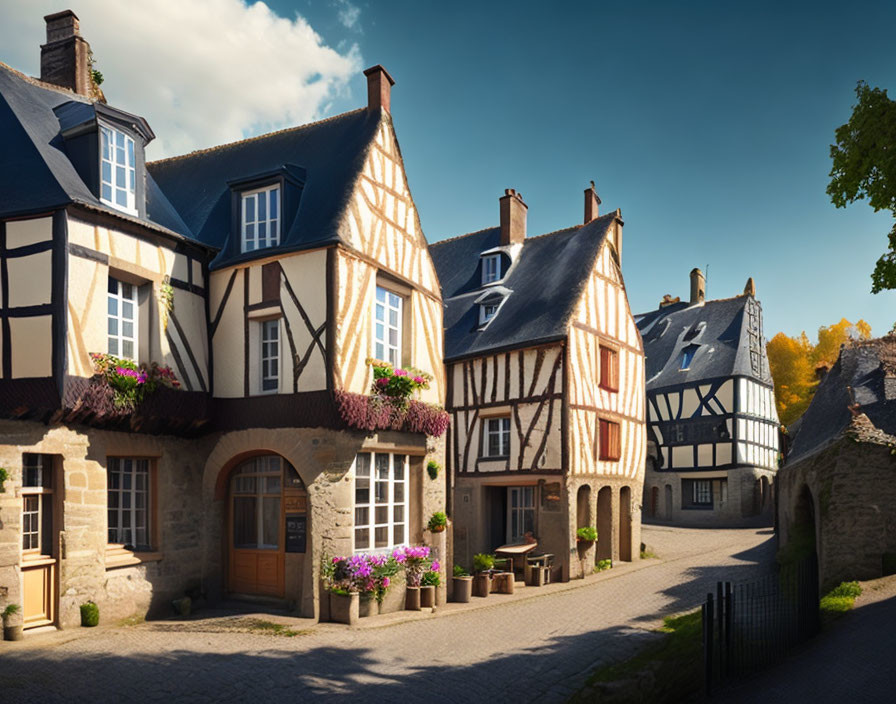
pixel 483 562
pixel 460 571
pixel 432 468
pixel 4 475
pixel 90 614
pixel 10 610
pixel 603 565
pixel 838 601
pixel 430 579
pixel 846 589
pixel 587 533
pixel 438 521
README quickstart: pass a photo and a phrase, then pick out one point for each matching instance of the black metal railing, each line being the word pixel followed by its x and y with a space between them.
pixel 750 625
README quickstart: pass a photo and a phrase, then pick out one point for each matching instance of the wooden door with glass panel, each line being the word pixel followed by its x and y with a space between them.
pixel 38 557
pixel 256 526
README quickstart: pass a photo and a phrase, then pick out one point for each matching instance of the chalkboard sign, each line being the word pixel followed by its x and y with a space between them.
pixel 296 533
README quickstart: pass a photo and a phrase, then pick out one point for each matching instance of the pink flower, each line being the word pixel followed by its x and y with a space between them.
pixel 385 581
pixel 400 372
pixel 418 380
pixel 435 566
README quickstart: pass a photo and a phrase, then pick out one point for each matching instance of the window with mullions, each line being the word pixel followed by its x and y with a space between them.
pixel 487 312
pixel 381 504
pixel 118 170
pixel 496 440
pixel 491 269
pixel 128 502
pixel 37 514
pixel 270 355
pixel 387 326
pixel 122 319
pixel 255 489
pixel 260 218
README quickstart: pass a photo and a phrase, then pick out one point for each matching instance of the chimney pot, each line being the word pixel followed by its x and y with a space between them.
pixel 379 88
pixel 698 286
pixel 750 288
pixel 513 217
pixel 64 59
pixel 592 203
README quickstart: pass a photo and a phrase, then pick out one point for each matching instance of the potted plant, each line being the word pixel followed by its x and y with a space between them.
pixel 90 614
pixel 429 585
pixel 483 563
pixel 462 585
pixel 415 559
pixel 11 632
pixel 432 469
pixel 437 522
pixel 586 534
pixel 341 583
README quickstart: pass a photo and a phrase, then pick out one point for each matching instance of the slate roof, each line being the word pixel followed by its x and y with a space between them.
pixel 37 175
pixel 864 374
pixel 723 345
pixel 545 282
pixel 327 156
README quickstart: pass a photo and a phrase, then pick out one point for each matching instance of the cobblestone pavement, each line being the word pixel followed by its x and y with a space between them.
pixel 537 649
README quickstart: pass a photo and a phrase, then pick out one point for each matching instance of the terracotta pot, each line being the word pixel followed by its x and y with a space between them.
pixel 13 632
pixel 482 585
pixel 412 599
pixel 428 596
pixel 462 589
pixel 437 529
pixel 344 608
pixel 368 606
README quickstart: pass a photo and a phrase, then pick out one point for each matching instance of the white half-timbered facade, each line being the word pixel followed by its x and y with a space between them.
pixel 711 414
pixel 545 388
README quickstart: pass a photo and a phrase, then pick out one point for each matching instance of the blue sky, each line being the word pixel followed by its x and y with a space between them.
pixel 708 124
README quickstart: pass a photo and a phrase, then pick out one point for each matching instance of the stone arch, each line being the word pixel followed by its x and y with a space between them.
pixel 625 524
pixel 583 506
pixel 605 523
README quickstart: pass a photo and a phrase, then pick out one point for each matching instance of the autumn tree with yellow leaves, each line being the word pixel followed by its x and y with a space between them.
pixel 793 362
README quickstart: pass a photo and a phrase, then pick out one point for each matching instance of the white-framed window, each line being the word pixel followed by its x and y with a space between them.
pixel 260 218
pixel 496 438
pixel 491 268
pixel 128 495
pixel 122 319
pixel 118 175
pixel 37 495
pixel 487 311
pixel 520 512
pixel 270 355
pixel 702 491
pixel 381 501
pixel 387 326
pixel 255 489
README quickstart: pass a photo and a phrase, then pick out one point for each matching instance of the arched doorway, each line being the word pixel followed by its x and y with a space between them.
pixel 625 524
pixel 802 541
pixel 605 524
pixel 668 514
pixel 267 516
pixel 654 505
pixel 583 506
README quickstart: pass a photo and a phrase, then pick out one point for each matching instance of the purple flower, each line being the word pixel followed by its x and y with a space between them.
pixel 400 372
pixel 383 382
pixel 435 566
pixel 386 581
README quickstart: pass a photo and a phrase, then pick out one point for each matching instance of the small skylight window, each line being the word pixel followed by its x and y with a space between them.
pixel 487 311
pixel 491 269
pixel 687 356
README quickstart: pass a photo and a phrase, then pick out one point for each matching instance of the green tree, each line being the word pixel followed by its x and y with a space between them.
pixel 865 167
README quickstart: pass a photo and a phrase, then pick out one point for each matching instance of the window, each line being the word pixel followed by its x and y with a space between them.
pixel 702 492
pixel 381 503
pixel 609 440
pixel 520 513
pixel 128 502
pixel 255 489
pixel 687 356
pixel 497 437
pixel 118 170
pixel 270 355
pixel 609 369
pixel 387 326
pixel 491 269
pixel 260 218
pixel 487 312
pixel 122 318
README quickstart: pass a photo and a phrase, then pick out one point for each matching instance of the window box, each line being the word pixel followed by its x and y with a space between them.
pixel 382 413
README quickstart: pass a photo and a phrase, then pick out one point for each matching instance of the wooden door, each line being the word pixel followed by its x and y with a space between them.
pixel 256 539
pixel 38 560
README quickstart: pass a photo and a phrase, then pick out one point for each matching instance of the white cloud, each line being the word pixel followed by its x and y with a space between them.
pixel 202 72
pixel 349 14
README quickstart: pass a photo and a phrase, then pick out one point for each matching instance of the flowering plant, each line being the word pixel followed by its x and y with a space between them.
pixel 396 382
pixel 382 413
pixel 368 574
pixel 129 382
pixel 416 561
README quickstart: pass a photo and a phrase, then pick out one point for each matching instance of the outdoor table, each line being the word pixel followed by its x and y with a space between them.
pixel 518 550
pixel 543 564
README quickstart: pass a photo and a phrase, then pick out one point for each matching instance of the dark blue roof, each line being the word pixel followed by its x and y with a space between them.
pixel 324 158
pixel 719 331
pixel 864 374
pixel 545 282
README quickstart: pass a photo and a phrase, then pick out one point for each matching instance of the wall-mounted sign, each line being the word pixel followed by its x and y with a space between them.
pixel 550 496
pixel 295 503
pixel 296 533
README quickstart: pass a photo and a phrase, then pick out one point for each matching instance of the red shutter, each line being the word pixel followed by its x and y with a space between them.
pixel 610 446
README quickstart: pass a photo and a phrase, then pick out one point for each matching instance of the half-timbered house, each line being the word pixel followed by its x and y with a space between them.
pixel 264 273
pixel 545 388
pixel 712 424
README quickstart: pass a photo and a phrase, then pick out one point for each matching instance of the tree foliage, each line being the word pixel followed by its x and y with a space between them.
pixel 864 166
pixel 793 361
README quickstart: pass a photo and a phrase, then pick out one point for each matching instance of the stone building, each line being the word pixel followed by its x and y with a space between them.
pixel 713 429
pixel 836 493
pixel 264 273
pixel 545 388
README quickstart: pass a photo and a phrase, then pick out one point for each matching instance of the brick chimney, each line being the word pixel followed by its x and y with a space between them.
pixel 379 88
pixel 513 217
pixel 64 58
pixel 592 202
pixel 698 286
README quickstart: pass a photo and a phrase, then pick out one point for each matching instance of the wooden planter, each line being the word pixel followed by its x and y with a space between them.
pixel 412 599
pixel 462 589
pixel 428 596
pixel 503 583
pixel 482 585
pixel 368 606
pixel 344 608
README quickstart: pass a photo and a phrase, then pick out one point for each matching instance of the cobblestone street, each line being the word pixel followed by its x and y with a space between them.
pixel 535 649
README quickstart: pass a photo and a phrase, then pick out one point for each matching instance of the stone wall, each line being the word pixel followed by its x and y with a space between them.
pixel 853 491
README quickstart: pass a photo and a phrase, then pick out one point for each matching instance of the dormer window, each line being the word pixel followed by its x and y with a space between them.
pixel 118 176
pixel 487 312
pixel 491 269
pixel 260 219
pixel 687 356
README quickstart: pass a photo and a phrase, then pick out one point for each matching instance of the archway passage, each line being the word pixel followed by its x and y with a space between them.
pixel 262 492
pixel 605 524
pixel 625 524
pixel 802 542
